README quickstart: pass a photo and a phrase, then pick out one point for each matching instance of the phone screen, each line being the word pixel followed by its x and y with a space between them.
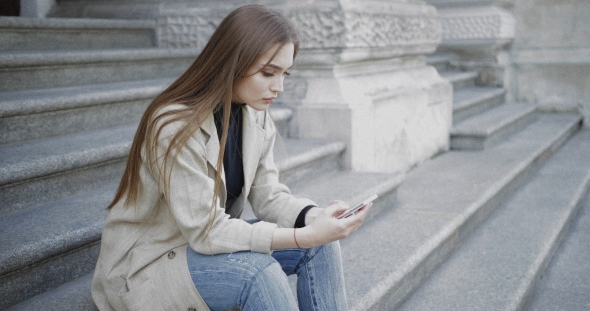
pixel 355 208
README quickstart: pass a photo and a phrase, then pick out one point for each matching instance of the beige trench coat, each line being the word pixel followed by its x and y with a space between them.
pixel 142 262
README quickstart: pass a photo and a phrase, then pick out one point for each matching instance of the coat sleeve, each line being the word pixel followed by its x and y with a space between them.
pixel 270 199
pixel 190 200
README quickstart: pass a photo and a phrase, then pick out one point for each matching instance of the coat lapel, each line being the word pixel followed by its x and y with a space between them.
pixel 252 144
pixel 212 144
pixel 212 151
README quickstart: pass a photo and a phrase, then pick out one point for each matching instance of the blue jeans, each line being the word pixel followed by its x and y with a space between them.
pixel 256 281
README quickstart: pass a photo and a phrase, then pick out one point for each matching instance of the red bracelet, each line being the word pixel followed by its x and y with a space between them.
pixel 295 238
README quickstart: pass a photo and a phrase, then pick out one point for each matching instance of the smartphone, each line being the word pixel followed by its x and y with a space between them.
pixel 355 208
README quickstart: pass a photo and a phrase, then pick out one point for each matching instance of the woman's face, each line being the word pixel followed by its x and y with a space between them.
pixel 262 82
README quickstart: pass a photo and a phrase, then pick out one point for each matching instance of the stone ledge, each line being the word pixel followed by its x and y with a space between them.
pixel 21 161
pixel 40 101
pixel 570 56
pixel 484 130
pixel 56 58
pixel 73 23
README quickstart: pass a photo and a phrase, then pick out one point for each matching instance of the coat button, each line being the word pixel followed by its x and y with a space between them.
pixel 171 254
pixel 192 309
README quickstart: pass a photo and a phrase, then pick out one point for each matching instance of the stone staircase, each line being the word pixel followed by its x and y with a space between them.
pixel 514 193
pixel 566 283
pixel 494 208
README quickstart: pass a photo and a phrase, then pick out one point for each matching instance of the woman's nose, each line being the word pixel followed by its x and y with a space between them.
pixel 277 85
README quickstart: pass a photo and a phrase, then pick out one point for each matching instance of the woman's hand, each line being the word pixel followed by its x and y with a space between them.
pixel 326 228
pixel 322 227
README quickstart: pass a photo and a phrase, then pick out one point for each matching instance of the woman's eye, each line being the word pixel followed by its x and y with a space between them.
pixel 268 74
pixel 286 73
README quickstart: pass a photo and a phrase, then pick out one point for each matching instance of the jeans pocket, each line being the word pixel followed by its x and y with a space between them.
pixel 142 297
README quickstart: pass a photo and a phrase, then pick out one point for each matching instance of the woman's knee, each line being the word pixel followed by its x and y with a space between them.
pixel 271 274
pixel 269 290
pixel 251 261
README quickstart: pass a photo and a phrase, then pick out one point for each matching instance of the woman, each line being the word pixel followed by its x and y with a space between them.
pixel 173 239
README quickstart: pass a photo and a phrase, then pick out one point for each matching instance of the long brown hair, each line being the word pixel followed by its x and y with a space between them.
pixel 241 38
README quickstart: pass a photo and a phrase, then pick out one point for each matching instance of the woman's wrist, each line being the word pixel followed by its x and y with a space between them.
pixel 304 237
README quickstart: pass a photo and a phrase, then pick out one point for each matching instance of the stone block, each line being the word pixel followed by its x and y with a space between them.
pixel 391 120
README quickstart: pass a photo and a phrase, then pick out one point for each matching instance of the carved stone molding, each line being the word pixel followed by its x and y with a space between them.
pixel 317 29
pixel 186 30
pixel 471 27
pixel 337 29
pixel 483 25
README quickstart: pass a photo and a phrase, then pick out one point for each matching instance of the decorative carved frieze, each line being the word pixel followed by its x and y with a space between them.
pixel 383 30
pixel 177 30
pixel 334 29
pixel 486 23
pixel 317 29
pixel 471 27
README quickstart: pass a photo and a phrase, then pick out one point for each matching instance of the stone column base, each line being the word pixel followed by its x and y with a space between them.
pixel 391 121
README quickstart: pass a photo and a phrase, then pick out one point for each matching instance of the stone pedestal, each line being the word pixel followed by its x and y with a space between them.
pixel 392 118
pixel 361 78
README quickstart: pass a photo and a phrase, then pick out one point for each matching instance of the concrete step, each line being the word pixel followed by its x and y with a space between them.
pixel 566 283
pixel 58 241
pixel 460 79
pixel 51 245
pixel 491 126
pixel 74 295
pixel 438 205
pixel 34 114
pixel 499 264
pixel 52 69
pixel 26 34
pixel 58 167
pixel 470 101
pixel 304 159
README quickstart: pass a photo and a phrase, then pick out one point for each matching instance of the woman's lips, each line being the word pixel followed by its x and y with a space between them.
pixel 269 100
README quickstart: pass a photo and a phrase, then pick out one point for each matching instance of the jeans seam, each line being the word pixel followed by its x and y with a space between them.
pixel 311 287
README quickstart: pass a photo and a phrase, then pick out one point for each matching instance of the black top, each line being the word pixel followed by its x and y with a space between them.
pixel 232 158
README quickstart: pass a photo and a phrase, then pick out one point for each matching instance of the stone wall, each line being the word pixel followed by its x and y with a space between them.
pixel 539 50
pixel 551 54
pixel 478 33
